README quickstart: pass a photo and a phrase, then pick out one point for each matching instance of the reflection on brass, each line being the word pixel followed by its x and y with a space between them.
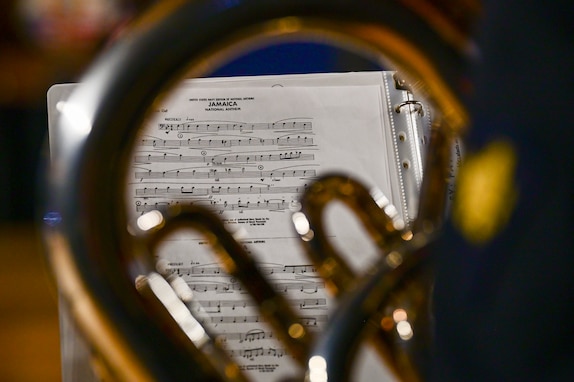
pixel 96 258
pixel 486 194
pixel 384 230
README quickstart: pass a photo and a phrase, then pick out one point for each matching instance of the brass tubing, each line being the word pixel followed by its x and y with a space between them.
pixel 101 119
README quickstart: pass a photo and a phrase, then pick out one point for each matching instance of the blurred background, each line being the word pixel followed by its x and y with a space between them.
pixel 42 42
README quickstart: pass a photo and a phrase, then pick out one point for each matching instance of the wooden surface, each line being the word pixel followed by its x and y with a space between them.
pixel 29 336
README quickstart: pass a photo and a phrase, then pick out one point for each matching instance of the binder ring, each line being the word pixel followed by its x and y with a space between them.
pixel 418 106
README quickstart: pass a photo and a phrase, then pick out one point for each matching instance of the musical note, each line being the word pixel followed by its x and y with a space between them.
pixel 219 287
pixel 257 334
pixel 249 336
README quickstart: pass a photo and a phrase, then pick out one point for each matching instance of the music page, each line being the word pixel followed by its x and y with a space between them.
pixel 247 154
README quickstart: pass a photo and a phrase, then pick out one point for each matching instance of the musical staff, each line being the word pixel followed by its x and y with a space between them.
pixel 263 268
pixel 225 206
pixel 225 320
pixel 213 127
pixel 224 159
pixel 222 287
pixel 254 353
pixel 217 305
pixel 230 319
pixel 249 336
pixel 224 174
pixel 200 143
pixel 186 192
pixel 219 287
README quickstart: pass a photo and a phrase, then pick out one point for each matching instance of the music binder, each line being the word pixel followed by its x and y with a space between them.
pixel 246 147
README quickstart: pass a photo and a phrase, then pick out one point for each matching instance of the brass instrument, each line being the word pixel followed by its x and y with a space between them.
pixel 96 260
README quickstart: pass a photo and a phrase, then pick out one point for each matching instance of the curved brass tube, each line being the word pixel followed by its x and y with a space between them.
pixel 92 253
pixel 348 327
pixel 237 263
pixel 385 230
pixel 400 278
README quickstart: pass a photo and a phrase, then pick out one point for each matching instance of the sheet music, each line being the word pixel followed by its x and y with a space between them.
pixel 247 153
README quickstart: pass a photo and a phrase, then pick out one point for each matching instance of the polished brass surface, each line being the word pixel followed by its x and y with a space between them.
pixel 386 231
pixel 96 259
